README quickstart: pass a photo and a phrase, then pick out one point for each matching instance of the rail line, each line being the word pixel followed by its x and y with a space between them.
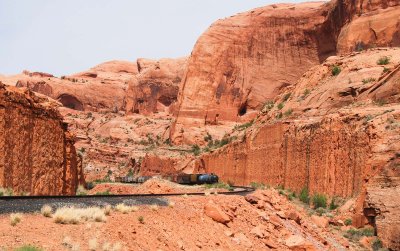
pixel 28 204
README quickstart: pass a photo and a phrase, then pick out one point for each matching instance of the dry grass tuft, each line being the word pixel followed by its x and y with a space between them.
pixel 15 219
pixel 70 215
pixel 154 207
pixel 107 210
pixel 46 211
pixel 207 193
pixel 125 209
pixel 171 204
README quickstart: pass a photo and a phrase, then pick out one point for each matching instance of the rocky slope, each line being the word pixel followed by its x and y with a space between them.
pixel 37 152
pixel 229 78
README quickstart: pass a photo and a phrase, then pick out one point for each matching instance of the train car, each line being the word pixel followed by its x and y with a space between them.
pixel 196 179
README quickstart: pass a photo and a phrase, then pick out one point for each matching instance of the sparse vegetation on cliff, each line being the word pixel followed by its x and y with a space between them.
pixel 304 195
pixel 383 60
pixel 319 200
pixel 336 70
pixel 243 126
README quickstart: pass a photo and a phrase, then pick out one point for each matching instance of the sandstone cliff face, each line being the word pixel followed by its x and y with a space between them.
pixel 155 88
pixel 229 78
pixel 37 154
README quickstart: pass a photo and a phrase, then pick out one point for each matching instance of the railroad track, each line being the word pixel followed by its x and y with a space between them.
pixel 30 204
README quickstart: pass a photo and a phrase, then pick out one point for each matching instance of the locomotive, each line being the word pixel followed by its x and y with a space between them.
pixel 185 179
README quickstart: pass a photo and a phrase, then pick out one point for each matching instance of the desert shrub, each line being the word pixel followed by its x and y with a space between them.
pixel 6 191
pixel 368 80
pixel 385 69
pixel 46 211
pixel 71 215
pixel 141 219
pixel 28 248
pixel 15 219
pixel 320 211
pixel 107 192
pixel 196 150
pixel 288 113
pixel 217 185
pixel 333 205
pixel 336 70
pixel 244 126
pixel 383 60
pixel 154 207
pixel 125 208
pixel 280 106
pixel 107 210
pixel 306 93
pixel 380 102
pixel 319 200
pixel 356 234
pixel 171 204
pixel 268 105
pixel 81 191
pixel 286 97
pixel 348 222
pixel 208 137
pixel 377 244
pixel 304 195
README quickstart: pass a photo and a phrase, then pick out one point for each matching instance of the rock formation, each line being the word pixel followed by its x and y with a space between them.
pixel 155 88
pixel 144 87
pixel 229 78
pixel 37 152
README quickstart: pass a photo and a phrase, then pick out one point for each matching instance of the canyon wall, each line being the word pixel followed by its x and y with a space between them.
pixel 327 156
pixel 229 78
pixel 37 154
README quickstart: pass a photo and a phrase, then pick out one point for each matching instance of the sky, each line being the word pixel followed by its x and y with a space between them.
pixel 69 36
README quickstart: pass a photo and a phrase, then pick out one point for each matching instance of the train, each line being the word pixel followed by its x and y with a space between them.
pixel 185 179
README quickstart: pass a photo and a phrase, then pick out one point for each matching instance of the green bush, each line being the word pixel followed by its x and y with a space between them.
pixel 286 96
pixel 333 205
pixel 288 113
pixel 383 60
pixel 356 234
pixel 280 106
pixel 368 80
pixel 377 245
pixel 244 126
pixel 348 222
pixel 336 70
pixel 304 196
pixel 107 192
pixel 257 185
pixel 306 93
pixel 196 150
pixel 319 200
pixel 28 248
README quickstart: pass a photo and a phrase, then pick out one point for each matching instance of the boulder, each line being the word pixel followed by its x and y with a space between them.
pixel 216 213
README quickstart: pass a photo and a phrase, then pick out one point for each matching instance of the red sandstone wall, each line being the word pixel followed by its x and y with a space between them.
pixel 328 157
pixel 36 154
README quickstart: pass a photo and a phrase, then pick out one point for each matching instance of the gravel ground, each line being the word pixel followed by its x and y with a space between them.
pixel 34 205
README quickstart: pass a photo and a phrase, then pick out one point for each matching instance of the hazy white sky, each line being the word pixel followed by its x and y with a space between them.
pixel 64 37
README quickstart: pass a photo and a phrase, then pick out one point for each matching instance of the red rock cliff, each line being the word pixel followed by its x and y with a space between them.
pixel 37 154
pixel 243 61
